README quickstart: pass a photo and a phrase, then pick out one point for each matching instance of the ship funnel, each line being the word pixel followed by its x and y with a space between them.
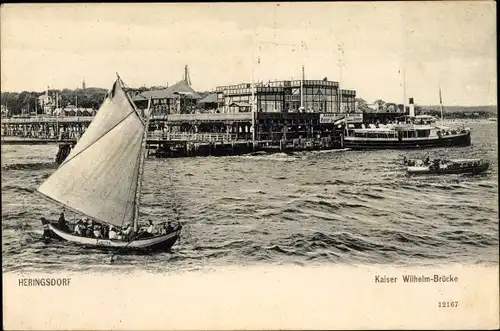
pixel 412 108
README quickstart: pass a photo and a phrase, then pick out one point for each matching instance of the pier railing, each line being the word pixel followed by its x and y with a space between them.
pixel 201 137
pixel 218 117
pixel 225 117
pixel 47 119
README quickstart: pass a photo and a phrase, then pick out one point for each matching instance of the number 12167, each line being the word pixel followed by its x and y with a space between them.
pixel 448 304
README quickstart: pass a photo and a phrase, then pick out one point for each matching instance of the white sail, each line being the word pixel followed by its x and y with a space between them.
pixel 116 108
pixel 99 178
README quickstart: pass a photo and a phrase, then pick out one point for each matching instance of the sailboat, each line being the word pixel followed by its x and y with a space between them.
pixel 101 179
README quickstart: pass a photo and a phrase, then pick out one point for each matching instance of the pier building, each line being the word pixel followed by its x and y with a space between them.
pixel 48 101
pixel 179 98
pixel 288 96
pixel 209 103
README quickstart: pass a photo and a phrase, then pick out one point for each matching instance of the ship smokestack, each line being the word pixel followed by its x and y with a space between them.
pixel 412 108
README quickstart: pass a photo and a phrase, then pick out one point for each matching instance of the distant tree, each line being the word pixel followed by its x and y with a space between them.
pixel 10 100
pixel 362 105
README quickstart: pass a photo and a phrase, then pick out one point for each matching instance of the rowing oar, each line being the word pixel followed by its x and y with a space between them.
pixel 113 254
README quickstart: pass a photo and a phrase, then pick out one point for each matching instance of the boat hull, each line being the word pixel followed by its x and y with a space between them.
pixel 467 170
pixel 156 243
pixel 408 143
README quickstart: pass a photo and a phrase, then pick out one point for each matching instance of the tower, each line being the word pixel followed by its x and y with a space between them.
pixel 83 84
pixel 187 79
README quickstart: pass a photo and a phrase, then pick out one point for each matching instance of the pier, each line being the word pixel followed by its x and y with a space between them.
pixel 203 134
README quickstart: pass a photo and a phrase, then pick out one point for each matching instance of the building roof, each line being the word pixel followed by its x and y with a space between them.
pixel 139 97
pixel 181 87
pixel 74 111
pixel 240 104
pixel 211 98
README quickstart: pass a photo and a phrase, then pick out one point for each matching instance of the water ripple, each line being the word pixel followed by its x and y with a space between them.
pixel 322 207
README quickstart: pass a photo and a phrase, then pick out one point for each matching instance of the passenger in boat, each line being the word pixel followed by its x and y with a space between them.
pixel 150 229
pixel 112 232
pixel 97 231
pixel 162 229
pixel 434 165
pixel 410 163
pixel 62 223
pixel 83 227
pixel 170 227
pixel 89 231
pixel 427 161
pixel 105 231
pixel 79 229
pixel 127 231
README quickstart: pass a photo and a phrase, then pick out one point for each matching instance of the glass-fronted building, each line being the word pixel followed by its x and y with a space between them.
pixel 316 96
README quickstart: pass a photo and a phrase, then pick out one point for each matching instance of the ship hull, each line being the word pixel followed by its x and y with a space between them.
pixel 150 244
pixel 408 143
pixel 463 170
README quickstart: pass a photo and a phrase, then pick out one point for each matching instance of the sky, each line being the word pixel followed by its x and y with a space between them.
pixel 451 45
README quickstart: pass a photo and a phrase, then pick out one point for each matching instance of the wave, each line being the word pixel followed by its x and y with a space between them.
pixel 373 196
pixel 338 182
pixel 270 157
pixel 321 207
pixel 30 166
pixel 332 151
pixel 231 244
pixel 18 189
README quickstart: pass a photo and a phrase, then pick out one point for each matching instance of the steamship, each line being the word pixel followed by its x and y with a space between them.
pixel 409 132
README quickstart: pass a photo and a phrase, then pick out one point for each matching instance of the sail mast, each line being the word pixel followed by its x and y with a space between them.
pixel 404 90
pixel 142 158
pixel 252 100
pixel 441 105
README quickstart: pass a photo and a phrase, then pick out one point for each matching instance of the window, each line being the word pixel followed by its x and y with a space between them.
pixel 278 107
pixel 307 105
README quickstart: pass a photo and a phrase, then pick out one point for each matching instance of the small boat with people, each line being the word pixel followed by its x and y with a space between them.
pixel 440 166
pixel 101 180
